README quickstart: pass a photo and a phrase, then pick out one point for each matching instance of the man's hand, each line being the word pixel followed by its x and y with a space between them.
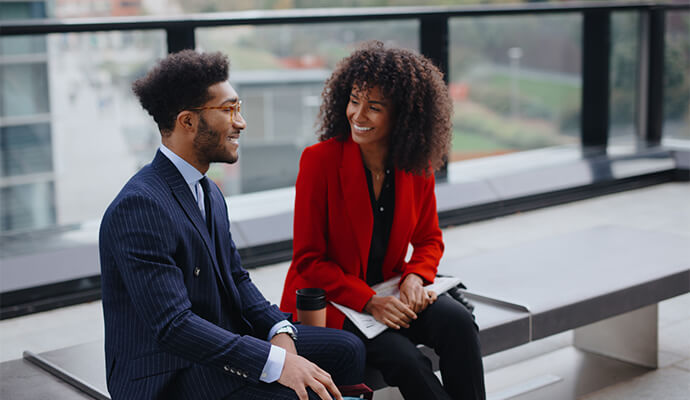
pixel 413 294
pixel 285 341
pixel 390 311
pixel 299 374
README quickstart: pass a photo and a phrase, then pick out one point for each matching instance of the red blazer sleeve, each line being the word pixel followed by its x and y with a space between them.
pixel 310 236
pixel 427 239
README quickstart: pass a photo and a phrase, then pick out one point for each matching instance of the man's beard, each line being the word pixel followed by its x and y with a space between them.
pixel 209 147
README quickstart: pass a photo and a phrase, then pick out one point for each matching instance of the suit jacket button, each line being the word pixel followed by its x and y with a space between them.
pixel 244 375
pixel 226 368
pixel 197 271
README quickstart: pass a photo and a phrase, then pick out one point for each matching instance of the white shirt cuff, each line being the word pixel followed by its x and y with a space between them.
pixel 274 365
pixel 277 326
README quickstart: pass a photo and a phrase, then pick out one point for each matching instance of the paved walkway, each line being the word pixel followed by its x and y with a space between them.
pixel 661 208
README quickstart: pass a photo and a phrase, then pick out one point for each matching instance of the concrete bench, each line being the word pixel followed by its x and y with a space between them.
pixel 591 281
pixel 604 283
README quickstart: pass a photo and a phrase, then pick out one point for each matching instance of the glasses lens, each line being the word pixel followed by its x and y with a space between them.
pixel 236 109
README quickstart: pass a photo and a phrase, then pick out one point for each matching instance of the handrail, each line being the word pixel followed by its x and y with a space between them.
pixel 313 15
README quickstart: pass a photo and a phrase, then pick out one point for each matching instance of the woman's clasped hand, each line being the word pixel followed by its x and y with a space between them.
pixel 398 313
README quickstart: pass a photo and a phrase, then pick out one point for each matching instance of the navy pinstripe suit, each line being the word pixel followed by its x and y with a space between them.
pixel 182 317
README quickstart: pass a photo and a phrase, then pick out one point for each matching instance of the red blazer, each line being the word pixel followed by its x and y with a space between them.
pixel 333 224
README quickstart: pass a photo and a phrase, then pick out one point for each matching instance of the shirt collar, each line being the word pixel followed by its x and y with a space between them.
pixel 190 174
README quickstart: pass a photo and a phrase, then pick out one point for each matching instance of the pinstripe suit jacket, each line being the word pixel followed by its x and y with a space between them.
pixel 182 317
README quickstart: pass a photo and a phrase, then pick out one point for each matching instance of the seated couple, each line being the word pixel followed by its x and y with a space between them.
pixel 183 319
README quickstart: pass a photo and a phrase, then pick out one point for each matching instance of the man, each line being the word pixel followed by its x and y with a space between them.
pixel 183 320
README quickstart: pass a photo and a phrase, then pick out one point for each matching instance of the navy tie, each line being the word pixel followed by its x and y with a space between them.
pixel 207 203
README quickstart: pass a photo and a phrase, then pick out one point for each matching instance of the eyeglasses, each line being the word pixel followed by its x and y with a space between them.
pixel 233 109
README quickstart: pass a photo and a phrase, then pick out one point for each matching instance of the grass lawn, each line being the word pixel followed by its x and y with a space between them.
pixel 470 141
pixel 549 91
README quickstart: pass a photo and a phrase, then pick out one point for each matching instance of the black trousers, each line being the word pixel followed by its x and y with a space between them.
pixel 448 328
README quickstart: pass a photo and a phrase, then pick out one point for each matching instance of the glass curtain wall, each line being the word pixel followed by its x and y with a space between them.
pixel 27 180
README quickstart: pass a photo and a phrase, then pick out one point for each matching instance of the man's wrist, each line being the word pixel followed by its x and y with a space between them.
pixel 278 325
pixel 289 330
pixel 274 365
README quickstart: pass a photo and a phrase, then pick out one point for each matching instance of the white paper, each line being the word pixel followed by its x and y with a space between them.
pixel 369 326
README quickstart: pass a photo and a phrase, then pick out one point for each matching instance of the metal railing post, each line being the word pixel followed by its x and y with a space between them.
pixel 655 92
pixel 596 54
pixel 180 38
pixel 434 44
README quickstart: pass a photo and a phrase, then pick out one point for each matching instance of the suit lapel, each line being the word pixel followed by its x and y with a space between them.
pixel 220 239
pixel 353 184
pixel 183 195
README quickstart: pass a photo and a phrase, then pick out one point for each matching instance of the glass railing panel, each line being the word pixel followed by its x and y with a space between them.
pixel 515 82
pixel 102 135
pixel 677 76
pixel 279 72
pixel 623 79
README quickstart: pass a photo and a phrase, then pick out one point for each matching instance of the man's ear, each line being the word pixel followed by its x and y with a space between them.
pixel 187 120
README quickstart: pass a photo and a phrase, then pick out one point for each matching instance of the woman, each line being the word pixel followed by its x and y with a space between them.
pixel 364 194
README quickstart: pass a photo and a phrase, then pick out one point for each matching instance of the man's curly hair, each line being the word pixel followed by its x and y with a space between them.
pixel 179 82
pixel 421 132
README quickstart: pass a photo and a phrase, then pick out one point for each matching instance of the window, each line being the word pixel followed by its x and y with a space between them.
pixel 27 206
pixel 25 149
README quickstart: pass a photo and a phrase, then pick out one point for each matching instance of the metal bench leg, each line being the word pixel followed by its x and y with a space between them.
pixel 630 337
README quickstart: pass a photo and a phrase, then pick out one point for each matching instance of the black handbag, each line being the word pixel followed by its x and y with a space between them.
pixel 456 293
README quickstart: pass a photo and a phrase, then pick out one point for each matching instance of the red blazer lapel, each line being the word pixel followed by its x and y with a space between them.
pixel 353 184
pixel 403 218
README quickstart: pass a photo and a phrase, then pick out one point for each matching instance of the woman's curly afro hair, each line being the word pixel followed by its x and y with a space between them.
pixel 179 82
pixel 421 132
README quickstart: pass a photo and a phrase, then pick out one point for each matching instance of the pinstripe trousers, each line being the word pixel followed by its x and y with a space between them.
pixel 338 352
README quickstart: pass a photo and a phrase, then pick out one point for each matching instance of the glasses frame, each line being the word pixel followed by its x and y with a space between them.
pixel 234 109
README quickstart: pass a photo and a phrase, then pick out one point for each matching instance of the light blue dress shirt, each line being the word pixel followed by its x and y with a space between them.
pixel 276 356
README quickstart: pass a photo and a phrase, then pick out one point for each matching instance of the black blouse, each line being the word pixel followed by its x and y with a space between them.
pixel 383 221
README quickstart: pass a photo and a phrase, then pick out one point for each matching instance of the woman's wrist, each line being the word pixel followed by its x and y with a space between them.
pixel 369 305
pixel 413 278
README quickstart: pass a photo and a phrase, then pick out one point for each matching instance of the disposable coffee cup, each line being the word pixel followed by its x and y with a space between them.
pixel 311 306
